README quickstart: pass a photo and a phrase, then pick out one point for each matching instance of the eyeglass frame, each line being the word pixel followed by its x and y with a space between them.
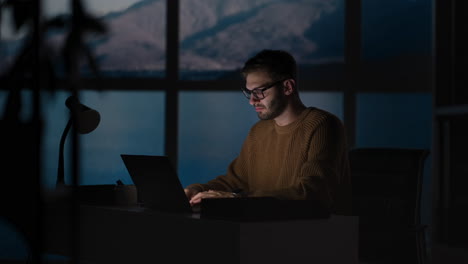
pixel 248 93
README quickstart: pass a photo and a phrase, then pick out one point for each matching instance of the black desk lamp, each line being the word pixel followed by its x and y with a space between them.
pixel 85 120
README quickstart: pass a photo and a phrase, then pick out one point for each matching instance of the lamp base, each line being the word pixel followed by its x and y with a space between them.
pixel 105 194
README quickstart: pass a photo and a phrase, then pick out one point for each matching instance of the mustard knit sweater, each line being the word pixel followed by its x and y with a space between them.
pixel 307 159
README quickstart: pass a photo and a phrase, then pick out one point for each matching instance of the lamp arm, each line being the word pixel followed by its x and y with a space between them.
pixel 60 170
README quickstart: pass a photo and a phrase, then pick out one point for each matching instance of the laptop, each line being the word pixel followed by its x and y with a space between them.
pixel 158 186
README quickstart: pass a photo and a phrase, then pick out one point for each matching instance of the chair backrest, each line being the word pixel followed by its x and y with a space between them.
pixel 387 183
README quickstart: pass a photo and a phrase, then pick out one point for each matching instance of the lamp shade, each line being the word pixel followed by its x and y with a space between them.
pixel 85 119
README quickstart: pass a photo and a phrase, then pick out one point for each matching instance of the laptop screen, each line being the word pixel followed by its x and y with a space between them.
pixel 157 183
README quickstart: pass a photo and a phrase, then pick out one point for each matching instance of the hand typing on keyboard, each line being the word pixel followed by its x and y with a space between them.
pixel 197 198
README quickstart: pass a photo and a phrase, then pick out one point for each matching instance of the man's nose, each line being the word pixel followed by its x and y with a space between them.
pixel 253 100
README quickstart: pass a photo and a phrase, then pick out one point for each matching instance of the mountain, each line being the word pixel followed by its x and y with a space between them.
pixel 214 35
pixel 218 35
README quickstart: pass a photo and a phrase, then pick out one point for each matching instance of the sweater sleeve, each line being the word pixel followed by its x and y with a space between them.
pixel 323 169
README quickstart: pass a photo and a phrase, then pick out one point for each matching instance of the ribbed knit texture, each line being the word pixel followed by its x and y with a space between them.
pixel 306 159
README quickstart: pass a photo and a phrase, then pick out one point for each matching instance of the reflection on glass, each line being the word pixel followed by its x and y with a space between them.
pixel 133 46
pixel 11 40
pixel 394 120
pixel 217 36
pixel 136 42
pixel 331 102
pixel 131 122
pixel 213 126
pixel 398 121
pixel 396 28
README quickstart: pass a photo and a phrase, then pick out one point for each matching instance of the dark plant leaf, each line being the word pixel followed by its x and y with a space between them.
pixel 95 25
pixel 23 11
pixel 12 107
pixel 77 7
pixel 58 22
pixel 77 12
pixel 71 53
pixel 91 61
pixel 47 72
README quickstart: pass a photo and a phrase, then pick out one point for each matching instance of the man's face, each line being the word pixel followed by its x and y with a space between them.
pixel 274 102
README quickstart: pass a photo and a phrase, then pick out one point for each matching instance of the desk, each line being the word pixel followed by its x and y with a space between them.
pixel 137 235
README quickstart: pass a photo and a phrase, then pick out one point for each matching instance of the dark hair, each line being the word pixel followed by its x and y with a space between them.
pixel 278 64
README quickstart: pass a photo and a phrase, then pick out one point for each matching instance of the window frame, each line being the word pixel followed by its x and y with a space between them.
pixel 356 77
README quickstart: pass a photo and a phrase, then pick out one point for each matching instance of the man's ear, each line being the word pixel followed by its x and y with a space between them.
pixel 289 86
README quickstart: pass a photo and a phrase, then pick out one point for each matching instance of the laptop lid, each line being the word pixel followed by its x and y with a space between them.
pixel 158 186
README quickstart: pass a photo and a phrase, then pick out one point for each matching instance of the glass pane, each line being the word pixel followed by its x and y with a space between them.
pixel 394 120
pixel 131 122
pixel 331 102
pixel 217 36
pixel 134 44
pixel 396 28
pixel 25 111
pixel 401 121
pixel 213 126
pixel 11 41
pixel 97 7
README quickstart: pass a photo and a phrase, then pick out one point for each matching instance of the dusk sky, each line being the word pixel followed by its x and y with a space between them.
pixel 54 7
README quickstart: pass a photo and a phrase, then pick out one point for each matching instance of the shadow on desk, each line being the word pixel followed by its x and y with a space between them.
pixel 125 234
pixel 261 209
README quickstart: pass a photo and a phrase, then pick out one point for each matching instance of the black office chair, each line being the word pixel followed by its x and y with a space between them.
pixel 387 186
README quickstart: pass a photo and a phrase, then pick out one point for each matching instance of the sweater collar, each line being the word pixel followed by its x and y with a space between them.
pixel 291 127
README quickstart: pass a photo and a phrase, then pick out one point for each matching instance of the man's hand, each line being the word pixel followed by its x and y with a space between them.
pixel 190 193
pixel 209 194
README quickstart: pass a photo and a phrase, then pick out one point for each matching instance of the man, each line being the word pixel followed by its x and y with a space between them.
pixel 293 152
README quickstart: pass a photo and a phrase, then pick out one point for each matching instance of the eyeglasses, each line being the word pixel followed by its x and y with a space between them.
pixel 258 92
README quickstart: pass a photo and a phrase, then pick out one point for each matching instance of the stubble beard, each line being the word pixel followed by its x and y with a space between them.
pixel 276 108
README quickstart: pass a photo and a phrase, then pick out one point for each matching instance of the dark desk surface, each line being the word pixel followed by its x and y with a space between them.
pixel 131 234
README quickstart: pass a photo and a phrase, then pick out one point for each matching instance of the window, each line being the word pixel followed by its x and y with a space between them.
pixel 131 123
pixel 407 115
pixel 135 42
pixel 213 126
pixel 217 36
pixel 384 36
